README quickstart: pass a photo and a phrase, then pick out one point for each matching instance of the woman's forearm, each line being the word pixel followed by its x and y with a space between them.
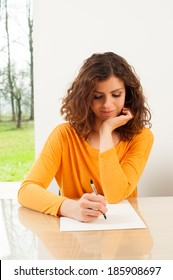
pixel 106 140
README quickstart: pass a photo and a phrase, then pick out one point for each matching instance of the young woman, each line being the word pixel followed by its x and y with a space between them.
pixel 106 139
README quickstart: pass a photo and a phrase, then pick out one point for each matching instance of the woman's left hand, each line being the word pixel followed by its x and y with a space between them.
pixel 113 123
pixel 106 139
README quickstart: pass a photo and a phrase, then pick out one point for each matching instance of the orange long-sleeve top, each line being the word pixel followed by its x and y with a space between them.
pixel 72 161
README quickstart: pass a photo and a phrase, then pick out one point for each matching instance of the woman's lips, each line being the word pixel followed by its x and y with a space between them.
pixel 107 112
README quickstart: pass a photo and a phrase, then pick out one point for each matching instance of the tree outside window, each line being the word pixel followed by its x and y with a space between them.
pixel 16 89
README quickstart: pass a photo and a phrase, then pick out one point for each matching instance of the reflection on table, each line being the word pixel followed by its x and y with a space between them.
pixel 32 235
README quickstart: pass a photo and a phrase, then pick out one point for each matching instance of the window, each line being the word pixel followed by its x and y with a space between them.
pixel 16 89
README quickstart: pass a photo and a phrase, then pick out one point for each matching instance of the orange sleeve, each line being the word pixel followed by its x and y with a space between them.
pixel 33 192
pixel 119 178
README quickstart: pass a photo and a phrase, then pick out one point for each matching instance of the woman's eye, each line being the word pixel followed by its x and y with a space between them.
pixel 97 96
pixel 116 95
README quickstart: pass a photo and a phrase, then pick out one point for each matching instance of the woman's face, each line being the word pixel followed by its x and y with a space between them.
pixel 109 99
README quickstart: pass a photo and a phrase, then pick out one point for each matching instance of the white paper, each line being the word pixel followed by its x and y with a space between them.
pixel 119 216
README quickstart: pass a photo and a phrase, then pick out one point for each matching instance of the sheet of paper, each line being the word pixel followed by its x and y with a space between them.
pixel 119 216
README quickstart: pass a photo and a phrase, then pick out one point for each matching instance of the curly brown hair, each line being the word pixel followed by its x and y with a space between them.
pixel 76 105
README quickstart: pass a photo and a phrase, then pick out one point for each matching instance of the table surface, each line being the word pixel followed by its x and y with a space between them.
pixel 26 234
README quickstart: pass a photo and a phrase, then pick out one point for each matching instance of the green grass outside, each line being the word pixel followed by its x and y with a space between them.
pixel 16 151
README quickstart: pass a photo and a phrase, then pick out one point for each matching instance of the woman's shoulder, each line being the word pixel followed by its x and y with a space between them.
pixel 63 130
pixel 61 134
pixel 147 132
pixel 145 135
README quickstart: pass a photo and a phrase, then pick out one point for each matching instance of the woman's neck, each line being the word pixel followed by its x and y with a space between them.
pixel 94 138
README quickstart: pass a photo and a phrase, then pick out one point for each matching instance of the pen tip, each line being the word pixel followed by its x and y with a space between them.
pixel 91 181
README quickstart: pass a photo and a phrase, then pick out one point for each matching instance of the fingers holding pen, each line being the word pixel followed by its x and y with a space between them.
pixel 92 206
pixel 89 207
pixel 92 197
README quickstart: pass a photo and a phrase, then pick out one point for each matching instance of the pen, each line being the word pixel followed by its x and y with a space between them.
pixel 95 191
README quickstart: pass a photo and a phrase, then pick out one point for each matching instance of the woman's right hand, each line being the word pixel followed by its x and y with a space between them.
pixel 88 208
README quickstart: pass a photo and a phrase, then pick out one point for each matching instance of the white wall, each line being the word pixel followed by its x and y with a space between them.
pixel 66 32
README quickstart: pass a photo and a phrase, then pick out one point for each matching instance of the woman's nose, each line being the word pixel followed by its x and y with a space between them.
pixel 107 101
